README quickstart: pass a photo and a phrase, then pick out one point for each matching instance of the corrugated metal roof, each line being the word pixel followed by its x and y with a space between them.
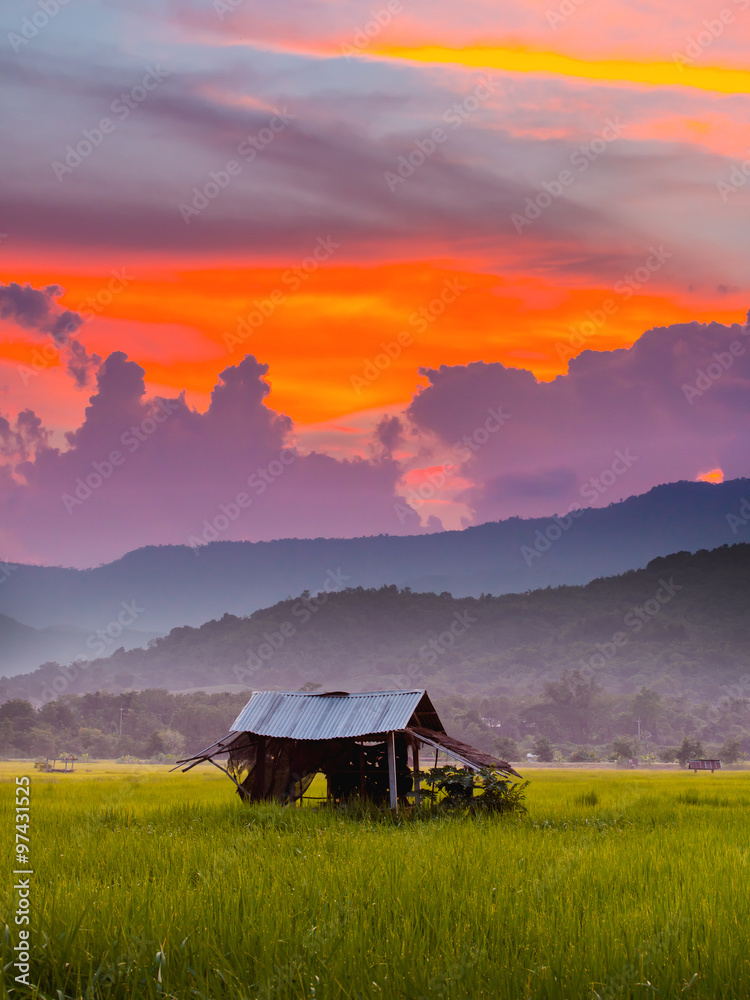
pixel 300 716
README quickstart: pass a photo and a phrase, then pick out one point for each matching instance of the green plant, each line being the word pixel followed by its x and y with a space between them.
pixel 690 750
pixel 731 751
pixel 496 792
pixel 507 748
pixel 623 747
pixel 544 749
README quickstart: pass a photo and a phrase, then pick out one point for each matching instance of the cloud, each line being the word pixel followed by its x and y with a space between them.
pixel 150 470
pixel 619 422
pixel 22 441
pixel 389 432
pixel 36 309
pixel 492 441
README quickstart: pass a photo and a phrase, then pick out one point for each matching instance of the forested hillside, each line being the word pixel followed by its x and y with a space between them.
pixel 173 585
pixel 680 626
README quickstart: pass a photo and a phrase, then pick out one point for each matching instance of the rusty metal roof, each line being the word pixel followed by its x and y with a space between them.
pixel 301 716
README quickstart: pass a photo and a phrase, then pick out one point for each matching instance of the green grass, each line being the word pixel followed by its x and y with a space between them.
pixel 614 885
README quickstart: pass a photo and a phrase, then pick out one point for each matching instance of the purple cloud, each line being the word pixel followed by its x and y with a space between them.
pixel 36 309
pixel 674 405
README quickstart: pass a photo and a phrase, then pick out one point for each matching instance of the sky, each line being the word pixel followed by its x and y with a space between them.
pixel 338 269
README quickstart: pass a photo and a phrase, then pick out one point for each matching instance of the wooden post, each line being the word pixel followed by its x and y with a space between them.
pixel 392 785
pixel 259 778
pixel 415 768
pixel 361 772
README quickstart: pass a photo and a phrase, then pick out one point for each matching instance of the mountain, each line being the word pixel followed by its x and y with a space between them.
pixel 22 648
pixel 160 588
pixel 679 626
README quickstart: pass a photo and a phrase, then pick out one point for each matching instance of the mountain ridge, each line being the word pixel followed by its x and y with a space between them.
pixel 176 585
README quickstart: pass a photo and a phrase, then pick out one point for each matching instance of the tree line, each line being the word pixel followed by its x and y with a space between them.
pixel 574 718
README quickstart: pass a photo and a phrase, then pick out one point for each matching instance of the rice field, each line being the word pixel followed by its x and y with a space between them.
pixel 615 884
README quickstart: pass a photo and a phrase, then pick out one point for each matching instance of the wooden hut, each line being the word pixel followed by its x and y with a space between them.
pixel 367 744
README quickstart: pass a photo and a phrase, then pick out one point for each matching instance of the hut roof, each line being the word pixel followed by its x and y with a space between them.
pixel 339 715
pixel 334 714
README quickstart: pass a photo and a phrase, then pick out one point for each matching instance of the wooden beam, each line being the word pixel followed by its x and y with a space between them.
pixel 392 785
pixel 239 787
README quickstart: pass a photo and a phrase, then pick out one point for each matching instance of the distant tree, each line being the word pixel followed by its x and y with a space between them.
pixel 22 717
pixel 173 741
pixel 668 755
pixel 731 751
pixel 311 686
pixel 690 750
pixel 18 711
pixel 574 698
pixel 623 747
pixel 43 741
pixel 6 737
pixel 506 748
pixel 155 744
pixel 544 749
pixel 95 742
pixel 648 707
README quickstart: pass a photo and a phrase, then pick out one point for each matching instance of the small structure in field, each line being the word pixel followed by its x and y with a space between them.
pixel 367 745
pixel 65 759
pixel 704 765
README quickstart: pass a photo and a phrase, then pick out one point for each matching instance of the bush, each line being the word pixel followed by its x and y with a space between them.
pixel 668 755
pixel 506 748
pixel 690 750
pixel 623 747
pixel 544 749
pixel 731 751
pixel 582 755
pixel 497 793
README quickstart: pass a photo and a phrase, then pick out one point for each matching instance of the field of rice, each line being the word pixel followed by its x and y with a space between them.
pixel 614 884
